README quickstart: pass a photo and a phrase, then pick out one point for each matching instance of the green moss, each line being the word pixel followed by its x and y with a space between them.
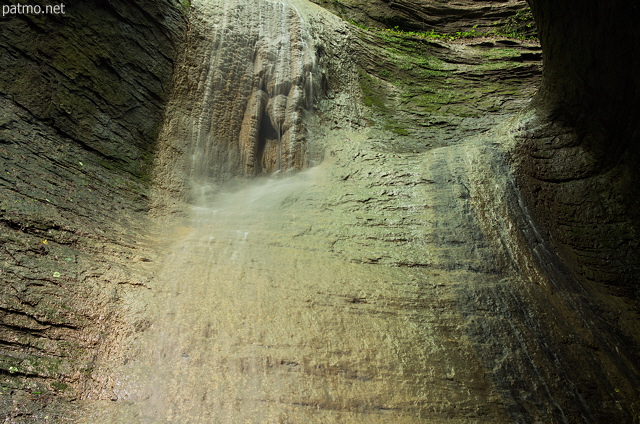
pixel 395 128
pixel 375 97
pixel 9 364
pixel 521 26
pixel 432 34
pixel 49 367
pixel 59 386
pixel 142 169
pixel 185 5
pixel 373 92
pixel 427 89
pixel 496 53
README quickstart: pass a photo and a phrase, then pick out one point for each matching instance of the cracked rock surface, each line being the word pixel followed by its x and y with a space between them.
pixel 260 212
pixel 81 101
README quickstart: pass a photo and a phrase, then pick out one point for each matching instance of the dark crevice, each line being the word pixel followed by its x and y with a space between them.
pixel 40 321
pixel 266 136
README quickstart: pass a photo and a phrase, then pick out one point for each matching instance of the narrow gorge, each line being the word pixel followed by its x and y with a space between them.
pixel 295 211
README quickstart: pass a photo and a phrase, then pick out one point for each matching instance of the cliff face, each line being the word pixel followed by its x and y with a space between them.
pixel 240 99
pixel 571 212
pixel 81 102
pixel 578 151
pixel 414 220
pixel 438 15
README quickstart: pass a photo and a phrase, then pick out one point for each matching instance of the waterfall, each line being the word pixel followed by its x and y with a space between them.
pixel 252 98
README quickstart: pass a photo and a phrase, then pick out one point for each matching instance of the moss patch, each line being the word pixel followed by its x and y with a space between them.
pixel 436 91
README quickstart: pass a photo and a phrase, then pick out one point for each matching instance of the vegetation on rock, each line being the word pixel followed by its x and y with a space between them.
pixel 531 274
pixel 435 91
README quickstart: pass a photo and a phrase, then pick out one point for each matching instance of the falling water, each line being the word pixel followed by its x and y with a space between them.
pixel 273 304
pixel 256 93
pixel 362 290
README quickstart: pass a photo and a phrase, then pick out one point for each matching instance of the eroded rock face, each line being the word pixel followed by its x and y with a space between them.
pixel 81 102
pixel 408 199
pixel 579 152
pixel 425 15
pixel 242 114
pixel 268 67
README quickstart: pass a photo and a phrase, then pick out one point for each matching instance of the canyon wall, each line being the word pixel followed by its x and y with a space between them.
pixel 82 97
pixel 437 15
pixel 578 151
pixel 572 204
pixel 91 115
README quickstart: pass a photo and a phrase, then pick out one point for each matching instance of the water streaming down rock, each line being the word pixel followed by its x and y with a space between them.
pixel 256 93
pixel 362 290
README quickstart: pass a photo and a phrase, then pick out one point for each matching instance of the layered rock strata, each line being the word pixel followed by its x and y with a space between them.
pixel 437 15
pixel 578 150
pixel 242 114
pixel 421 230
pixel 81 102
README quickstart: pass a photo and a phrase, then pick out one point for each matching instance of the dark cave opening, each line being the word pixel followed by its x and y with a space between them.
pixel 267 136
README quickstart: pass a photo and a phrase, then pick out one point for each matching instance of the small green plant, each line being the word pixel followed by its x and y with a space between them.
pixel 432 34
pixel 185 5
pixel 359 25
pixel 520 26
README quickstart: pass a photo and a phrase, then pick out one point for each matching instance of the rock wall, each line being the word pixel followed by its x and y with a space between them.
pixel 242 114
pixel 81 102
pixel 578 150
pixel 425 15
pixel 558 348
pixel 250 110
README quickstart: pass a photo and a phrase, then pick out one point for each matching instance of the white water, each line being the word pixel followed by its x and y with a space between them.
pixel 364 290
pixel 255 92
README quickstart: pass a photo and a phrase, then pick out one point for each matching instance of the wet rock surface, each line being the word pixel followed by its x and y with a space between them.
pixel 469 86
pixel 403 278
pixel 302 315
pixel 249 113
pixel 578 151
pixel 377 287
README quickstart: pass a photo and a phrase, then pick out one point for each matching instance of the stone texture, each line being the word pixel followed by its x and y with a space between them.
pixel 418 204
pixel 81 102
pixel 250 111
pixel 249 102
pixel 429 93
pixel 413 224
pixel 426 15
pixel 578 150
